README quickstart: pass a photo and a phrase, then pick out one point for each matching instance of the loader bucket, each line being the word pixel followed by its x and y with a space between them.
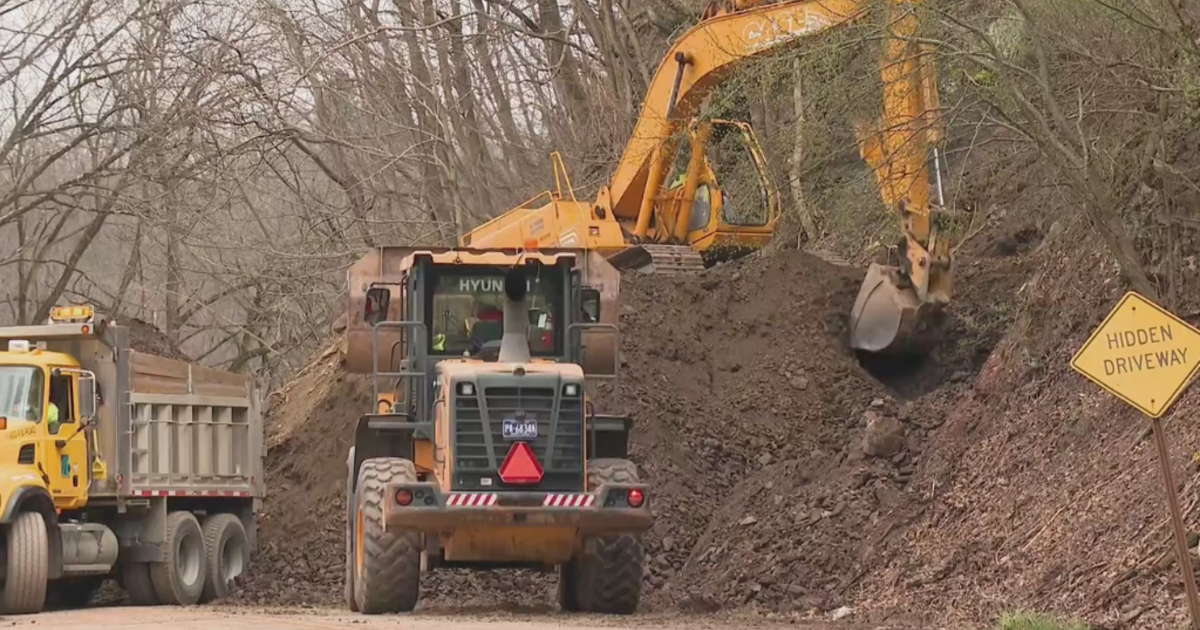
pixel 888 317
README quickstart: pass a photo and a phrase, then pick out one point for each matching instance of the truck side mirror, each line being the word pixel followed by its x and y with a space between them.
pixel 376 307
pixel 589 305
pixel 87 397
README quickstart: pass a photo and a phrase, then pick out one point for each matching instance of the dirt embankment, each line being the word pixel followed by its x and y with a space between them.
pixel 789 479
pixel 751 425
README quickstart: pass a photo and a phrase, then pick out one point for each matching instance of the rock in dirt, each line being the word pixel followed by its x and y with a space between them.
pixel 884 436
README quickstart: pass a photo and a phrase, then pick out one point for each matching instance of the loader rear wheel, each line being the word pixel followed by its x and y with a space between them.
pixel 135 579
pixel 179 579
pixel 27 549
pixel 387 575
pixel 608 576
pixel 227 552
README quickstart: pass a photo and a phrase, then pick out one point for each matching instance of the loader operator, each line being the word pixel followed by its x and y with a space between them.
pixel 484 312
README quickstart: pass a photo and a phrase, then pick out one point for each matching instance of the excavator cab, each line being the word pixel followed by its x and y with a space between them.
pixel 718 203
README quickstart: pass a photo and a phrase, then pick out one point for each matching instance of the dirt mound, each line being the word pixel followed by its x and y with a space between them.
pixel 774 456
pixel 1043 491
pixel 146 337
pixel 751 425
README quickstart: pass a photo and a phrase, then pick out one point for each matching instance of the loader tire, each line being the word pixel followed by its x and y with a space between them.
pixel 138 585
pixel 179 579
pixel 348 578
pixel 608 575
pixel 27 563
pixel 226 552
pixel 387 576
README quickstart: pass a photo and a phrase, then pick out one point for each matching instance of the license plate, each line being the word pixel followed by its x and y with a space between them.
pixel 519 429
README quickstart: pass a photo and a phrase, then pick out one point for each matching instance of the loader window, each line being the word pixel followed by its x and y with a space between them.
pixel 22 390
pixel 466 311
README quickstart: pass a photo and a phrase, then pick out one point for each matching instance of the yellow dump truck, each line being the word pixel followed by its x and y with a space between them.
pixel 484 450
pixel 116 463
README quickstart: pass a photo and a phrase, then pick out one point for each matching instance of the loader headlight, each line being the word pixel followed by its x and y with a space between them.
pixel 571 389
pixel 466 389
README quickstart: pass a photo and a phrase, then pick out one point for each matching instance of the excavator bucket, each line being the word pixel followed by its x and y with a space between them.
pixel 889 319
pixel 658 259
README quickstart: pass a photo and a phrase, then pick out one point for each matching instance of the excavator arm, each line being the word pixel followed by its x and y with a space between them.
pixel 895 303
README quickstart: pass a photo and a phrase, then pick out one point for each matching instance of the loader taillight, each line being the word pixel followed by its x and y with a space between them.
pixel 636 498
pixel 404 496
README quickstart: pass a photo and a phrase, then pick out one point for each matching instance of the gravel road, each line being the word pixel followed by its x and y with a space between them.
pixel 117 618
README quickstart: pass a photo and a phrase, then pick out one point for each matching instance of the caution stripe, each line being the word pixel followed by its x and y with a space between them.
pixel 471 499
pixel 190 493
pixel 569 500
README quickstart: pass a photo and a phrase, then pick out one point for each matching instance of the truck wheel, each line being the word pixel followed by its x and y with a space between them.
pixel 387 576
pixel 348 578
pixel 609 578
pixel 179 579
pixel 135 578
pixel 226 552
pixel 27 563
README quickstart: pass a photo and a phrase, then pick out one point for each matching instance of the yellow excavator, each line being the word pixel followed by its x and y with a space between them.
pixel 636 224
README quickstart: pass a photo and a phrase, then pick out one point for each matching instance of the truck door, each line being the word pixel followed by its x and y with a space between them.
pixel 67 449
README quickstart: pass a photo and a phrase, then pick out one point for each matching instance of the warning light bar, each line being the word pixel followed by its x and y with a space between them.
pixel 78 313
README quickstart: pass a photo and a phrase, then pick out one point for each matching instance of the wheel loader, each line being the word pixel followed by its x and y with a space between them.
pixel 483 448
pixel 653 219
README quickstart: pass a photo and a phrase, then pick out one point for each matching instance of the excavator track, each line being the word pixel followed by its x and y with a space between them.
pixel 667 260
pixel 829 257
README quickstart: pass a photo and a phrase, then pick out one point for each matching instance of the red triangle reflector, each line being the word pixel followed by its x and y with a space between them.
pixel 520 466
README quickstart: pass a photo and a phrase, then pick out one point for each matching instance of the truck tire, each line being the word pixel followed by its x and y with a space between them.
pixel 387 576
pixel 609 573
pixel 135 579
pixel 179 579
pixel 27 562
pixel 348 578
pixel 226 553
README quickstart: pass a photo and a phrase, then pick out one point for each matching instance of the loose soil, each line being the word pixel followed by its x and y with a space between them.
pixel 1007 482
pixel 750 416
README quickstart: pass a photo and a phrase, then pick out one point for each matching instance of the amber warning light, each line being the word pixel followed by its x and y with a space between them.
pixel 81 313
pixel 520 465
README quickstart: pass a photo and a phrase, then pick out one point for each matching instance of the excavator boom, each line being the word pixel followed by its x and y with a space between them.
pixel 633 224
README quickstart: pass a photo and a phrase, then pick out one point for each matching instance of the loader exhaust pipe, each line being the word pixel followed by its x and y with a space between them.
pixel 514 345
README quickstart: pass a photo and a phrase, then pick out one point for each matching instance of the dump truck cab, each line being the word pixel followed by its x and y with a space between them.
pixel 484 449
pixel 47 401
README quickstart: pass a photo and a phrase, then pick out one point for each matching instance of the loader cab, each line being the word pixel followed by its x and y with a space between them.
pixel 454 309
pixel 464 310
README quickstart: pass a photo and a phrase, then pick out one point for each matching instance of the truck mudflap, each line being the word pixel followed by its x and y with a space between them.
pixel 607 510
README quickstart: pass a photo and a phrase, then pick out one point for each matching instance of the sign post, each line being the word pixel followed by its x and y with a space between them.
pixel 1146 356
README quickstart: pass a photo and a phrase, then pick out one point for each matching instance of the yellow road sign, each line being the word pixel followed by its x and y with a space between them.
pixel 1142 354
